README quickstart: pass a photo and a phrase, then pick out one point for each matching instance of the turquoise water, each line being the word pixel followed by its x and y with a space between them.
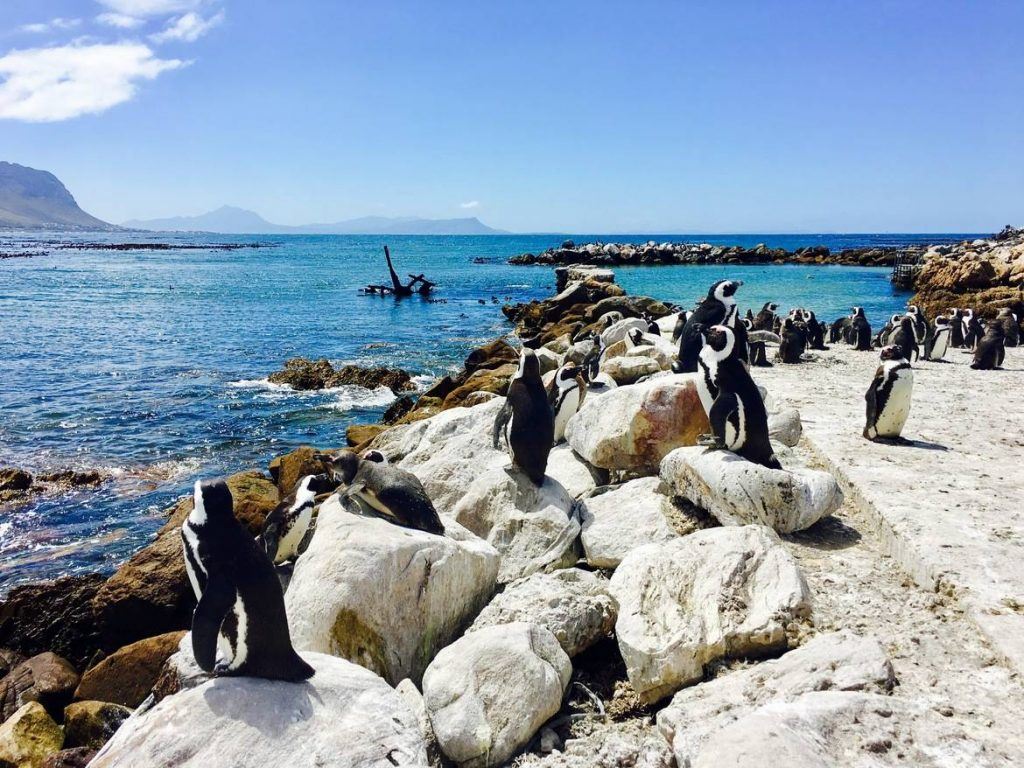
pixel 152 364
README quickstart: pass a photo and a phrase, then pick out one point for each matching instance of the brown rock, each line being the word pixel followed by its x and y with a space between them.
pixel 357 434
pixel 485 380
pixel 398 409
pixel 289 468
pixel 303 374
pixel 14 479
pixel 72 478
pixel 28 737
pixel 126 676
pixel 92 723
pixel 52 616
pixel 494 354
pixel 9 659
pixel 45 678
pixel 77 757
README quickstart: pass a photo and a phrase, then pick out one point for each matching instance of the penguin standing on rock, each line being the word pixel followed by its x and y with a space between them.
pixel 712 311
pixel 240 607
pixel 566 395
pixel 526 421
pixel 990 350
pixel 905 338
pixel 860 330
pixel 287 525
pixel 888 397
pixel 739 421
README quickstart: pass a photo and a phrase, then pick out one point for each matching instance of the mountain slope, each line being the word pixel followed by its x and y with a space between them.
pixel 33 199
pixel 238 221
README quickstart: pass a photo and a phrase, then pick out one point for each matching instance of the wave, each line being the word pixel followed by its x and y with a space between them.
pixel 351 398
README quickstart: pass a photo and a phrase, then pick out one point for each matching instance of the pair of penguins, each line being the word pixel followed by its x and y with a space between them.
pixel 240 604
pixel 854 329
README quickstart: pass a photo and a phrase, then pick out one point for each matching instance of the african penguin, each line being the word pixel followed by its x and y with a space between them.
pixel 652 325
pixel 375 455
pixel 837 330
pixel 240 603
pixel 920 323
pixel 860 330
pixel 905 338
pixel 956 328
pixel 815 333
pixel 1011 326
pixel 385 491
pixel 712 311
pixel 990 350
pixel 286 526
pixel 765 319
pixel 938 341
pixel 888 396
pixel 793 342
pixel 526 421
pixel 566 394
pixel 973 329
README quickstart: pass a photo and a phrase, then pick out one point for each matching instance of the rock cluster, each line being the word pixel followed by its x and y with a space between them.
pixel 18 485
pixel 303 374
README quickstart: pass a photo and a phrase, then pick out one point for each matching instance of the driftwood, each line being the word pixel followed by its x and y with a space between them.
pixel 396 288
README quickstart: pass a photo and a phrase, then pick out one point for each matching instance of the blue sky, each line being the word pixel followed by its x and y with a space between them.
pixel 533 116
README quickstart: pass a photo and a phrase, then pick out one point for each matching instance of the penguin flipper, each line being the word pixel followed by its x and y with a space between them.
pixel 499 423
pixel 216 601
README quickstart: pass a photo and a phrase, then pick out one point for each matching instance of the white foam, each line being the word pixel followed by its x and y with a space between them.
pixel 351 397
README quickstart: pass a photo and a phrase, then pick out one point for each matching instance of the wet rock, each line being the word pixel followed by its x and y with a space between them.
pixel 489 692
pixel 9 659
pixel 126 676
pixel 72 478
pixel 739 492
pixel 76 757
pixel 573 604
pixel 434 585
pixel 45 678
pixel 343 716
pixel 92 723
pixel 398 409
pixel 722 592
pixel 14 479
pixel 618 521
pixel 52 616
pixel 358 434
pixel 302 374
pixel 28 736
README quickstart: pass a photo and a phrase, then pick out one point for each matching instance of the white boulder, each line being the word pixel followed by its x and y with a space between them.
pixel 740 492
pixel 619 329
pixel 618 521
pixel 343 716
pixel 626 370
pixel 721 592
pixel 489 692
pixel 548 359
pixel 385 596
pixel 785 427
pixel 569 470
pixel 574 605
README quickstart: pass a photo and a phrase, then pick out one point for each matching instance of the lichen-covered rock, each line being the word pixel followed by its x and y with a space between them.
pixel 384 596
pixel 721 592
pixel 343 716
pixel 618 521
pixel 92 723
pixel 28 736
pixel 574 605
pixel 740 492
pixel 126 676
pixel 287 469
pixel 45 678
pixel 635 427
pixel 302 374
pixel 839 661
pixel 489 691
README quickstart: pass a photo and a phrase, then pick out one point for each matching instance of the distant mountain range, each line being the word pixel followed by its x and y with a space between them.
pixel 238 221
pixel 32 199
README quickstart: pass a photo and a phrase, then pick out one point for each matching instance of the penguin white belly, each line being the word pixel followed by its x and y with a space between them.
pixel 940 346
pixel 288 548
pixel 897 408
pixel 569 405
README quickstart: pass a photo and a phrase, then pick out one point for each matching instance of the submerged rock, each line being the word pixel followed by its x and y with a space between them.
pixel 302 374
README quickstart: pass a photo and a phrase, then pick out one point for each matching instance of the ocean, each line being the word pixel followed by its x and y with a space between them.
pixel 152 365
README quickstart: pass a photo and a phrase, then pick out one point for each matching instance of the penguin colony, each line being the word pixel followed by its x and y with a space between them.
pixel 239 626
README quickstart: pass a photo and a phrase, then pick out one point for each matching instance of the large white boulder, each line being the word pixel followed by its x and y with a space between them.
pixel 343 716
pixel 384 596
pixel 533 528
pixel 569 470
pixel 618 521
pixel 740 492
pixel 548 359
pixel 574 605
pixel 630 369
pixel 839 661
pixel 488 692
pixel 721 592
pixel 618 330
pixel 635 427
pixel 785 427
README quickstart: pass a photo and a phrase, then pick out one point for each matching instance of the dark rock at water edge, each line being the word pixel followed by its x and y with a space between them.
pixel 46 678
pixel 303 374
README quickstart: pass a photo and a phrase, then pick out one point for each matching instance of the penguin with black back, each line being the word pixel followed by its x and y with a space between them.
pixel 956 328
pixel 286 526
pixel 765 319
pixel 526 420
pixel 990 351
pixel 712 311
pixel 793 342
pixel 860 330
pixel 815 332
pixel 1011 326
pixel 905 338
pixel 973 329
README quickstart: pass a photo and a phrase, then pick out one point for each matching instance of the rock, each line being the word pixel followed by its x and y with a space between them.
pixel 126 676
pixel 302 374
pixel 72 478
pixel 489 692
pixel 398 409
pixel 287 469
pixel 14 479
pixel 739 492
pixel 532 528
pixel 570 471
pixel 28 736
pixel 574 605
pixel 434 586
pixel 839 661
pixel 180 672
pixel 92 723
pixel 494 380
pixel 407 690
pixel 357 434
pixel 77 757
pixel 722 592
pixel 494 354
pixel 609 747
pixel 52 616
pixel 9 660
pixel 785 427
pixel 618 521
pixel 46 678
pixel 549 361
pixel 634 428
pixel 343 716
pixel 629 370
pixel 617 332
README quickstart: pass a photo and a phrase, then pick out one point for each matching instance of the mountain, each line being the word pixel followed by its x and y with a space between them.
pixel 31 199
pixel 238 221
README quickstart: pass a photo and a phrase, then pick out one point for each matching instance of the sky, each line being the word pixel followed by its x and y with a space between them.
pixel 690 117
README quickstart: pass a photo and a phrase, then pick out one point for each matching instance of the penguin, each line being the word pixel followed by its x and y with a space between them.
pixel 956 328
pixel 748 319
pixel 375 455
pixel 815 333
pixel 240 603
pixel 286 526
pixel 526 420
pixel 793 342
pixel 938 342
pixel 973 329
pixel 837 330
pixel 634 338
pixel 739 327
pixel 920 323
pixel 1011 326
pixel 652 325
pixel 990 350
pixel 888 396
pixel 905 338
pixel 860 330
pixel 765 319
pixel 712 311
pixel 739 421
pixel 384 490
pixel 758 355
pixel 565 395
pixel 677 330
pixel 884 335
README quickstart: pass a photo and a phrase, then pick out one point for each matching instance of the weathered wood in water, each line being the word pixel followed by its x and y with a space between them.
pixel 396 288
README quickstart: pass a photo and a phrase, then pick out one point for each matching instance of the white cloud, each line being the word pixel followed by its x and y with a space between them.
pixel 470 204
pixel 51 84
pixel 52 24
pixel 119 20
pixel 188 28
pixel 141 8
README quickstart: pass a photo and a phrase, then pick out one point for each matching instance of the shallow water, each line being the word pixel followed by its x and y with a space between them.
pixel 153 364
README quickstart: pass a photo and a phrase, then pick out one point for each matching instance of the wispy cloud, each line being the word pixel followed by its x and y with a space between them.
pixel 58 83
pixel 120 21
pixel 140 9
pixel 187 28
pixel 51 25
pixel 470 204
